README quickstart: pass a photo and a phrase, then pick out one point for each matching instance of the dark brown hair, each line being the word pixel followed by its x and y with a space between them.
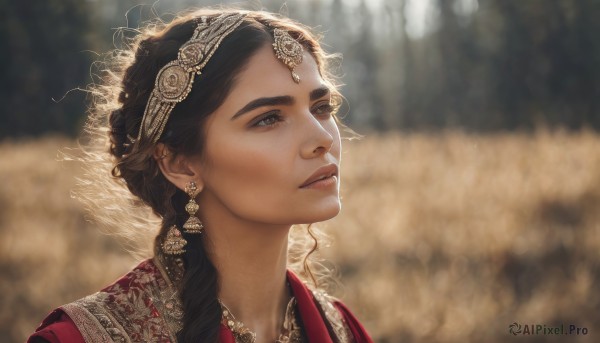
pixel 183 134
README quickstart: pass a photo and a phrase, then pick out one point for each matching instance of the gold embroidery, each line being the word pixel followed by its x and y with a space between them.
pixel 134 309
pixel 333 316
pixel 144 306
pixel 89 325
pixel 168 301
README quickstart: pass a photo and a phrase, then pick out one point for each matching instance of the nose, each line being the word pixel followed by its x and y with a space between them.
pixel 317 139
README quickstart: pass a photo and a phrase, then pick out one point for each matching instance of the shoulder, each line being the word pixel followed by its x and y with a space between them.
pixel 134 308
pixel 57 327
pixel 341 320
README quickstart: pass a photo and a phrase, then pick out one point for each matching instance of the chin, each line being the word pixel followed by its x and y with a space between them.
pixel 323 212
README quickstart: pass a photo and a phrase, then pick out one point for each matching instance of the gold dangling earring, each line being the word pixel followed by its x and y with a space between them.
pixel 174 242
pixel 193 224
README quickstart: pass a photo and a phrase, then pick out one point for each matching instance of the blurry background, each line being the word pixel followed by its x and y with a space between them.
pixel 472 202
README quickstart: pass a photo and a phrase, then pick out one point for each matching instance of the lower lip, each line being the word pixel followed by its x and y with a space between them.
pixel 325 183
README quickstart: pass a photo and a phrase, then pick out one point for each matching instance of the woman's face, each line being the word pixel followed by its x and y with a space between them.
pixel 268 137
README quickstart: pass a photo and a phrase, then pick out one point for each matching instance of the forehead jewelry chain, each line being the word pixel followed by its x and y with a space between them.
pixel 288 51
pixel 291 332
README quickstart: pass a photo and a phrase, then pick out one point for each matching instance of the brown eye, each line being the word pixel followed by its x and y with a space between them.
pixel 269 119
pixel 323 110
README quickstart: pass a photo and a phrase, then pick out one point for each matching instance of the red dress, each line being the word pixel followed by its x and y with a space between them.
pixel 143 306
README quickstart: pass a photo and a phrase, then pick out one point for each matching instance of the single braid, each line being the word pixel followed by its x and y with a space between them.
pixel 183 135
pixel 202 312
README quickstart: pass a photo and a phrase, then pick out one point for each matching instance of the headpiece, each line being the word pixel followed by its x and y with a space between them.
pixel 174 81
pixel 288 50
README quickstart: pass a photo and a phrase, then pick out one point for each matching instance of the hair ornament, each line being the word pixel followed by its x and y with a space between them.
pixel 174 81
pixel 288 51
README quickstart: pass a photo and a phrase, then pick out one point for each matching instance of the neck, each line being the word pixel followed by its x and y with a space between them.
pixel 251 260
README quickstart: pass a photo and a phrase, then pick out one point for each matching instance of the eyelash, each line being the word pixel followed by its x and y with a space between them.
pixel 269 115
pixel 326 110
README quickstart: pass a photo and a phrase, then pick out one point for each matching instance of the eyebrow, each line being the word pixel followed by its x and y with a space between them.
pixel 318 93
pixel 279 100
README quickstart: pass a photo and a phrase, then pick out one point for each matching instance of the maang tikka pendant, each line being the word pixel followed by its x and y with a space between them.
pixel 288 51
pixel 193 224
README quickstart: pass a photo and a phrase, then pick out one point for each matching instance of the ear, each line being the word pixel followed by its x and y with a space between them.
pixel 179 170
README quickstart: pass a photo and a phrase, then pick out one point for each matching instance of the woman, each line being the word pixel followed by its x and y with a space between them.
pixel 223 123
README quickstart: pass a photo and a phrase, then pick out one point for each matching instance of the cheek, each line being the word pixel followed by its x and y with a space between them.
pixel 249 177
pixel 246 166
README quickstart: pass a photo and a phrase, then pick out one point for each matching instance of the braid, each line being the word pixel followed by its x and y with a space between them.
pixel 183 135
pixel 202 312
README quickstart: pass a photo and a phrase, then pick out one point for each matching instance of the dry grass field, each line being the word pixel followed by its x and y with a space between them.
pixel 442 238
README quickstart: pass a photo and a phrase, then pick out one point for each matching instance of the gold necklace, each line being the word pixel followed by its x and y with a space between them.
pixel 290 332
